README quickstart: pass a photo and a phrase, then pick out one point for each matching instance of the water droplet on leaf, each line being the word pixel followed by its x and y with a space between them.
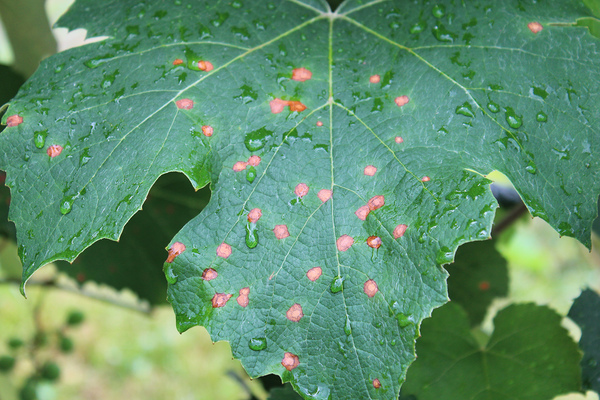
pixel 337 284
pixel 251 235
pixel 66 204
pixel 257 344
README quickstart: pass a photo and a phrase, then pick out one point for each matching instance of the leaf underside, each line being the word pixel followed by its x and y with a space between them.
pixel 409 100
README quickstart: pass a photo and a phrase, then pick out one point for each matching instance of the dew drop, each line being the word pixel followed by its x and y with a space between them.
pixel 541 117
pixel 39 138
pixel 531 167
pixel 251 235
pixel 444 256
pixel 442 34
pixel 337 284
pixel 66 204
pixel 438 11
pixel 493 107
pixel 251 174
pixel 403 320
pixel 257 344
pixel 465 109
pixel 348 327
pixel 170 274
pixel 418 27
pixel 257 139
pixel 513 120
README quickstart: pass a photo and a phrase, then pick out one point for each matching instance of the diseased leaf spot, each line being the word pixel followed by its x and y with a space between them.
pixel 295 313
pixel 484 286
pixel 301 74
pixel 363 212
pixel 301 189
pixel 374 242
pixel 254 161
pixel 205 65
pixel 376 202
pixel 399 231
pixel 243 298
pixel 207 130
pixel 344 242
pixel 254 215
pixel 277 105
pixel 224 250
pixel 399 139
pixel 425 179
pixel 314 273
pixel 401 100
pixel 209 274
pixel 375 79
pixel 185 104
pixel 281 231
pixel 376 383
pixel 54 150
pixel 178 61
pixel 296 106
pixel 324 195
pixel 220 299
pixel 319 123
pixel 535 27
pixel 240 166
pixel 370 170
pixel 290 361
pixel 175 250
pixel 370 288
pixel 14 120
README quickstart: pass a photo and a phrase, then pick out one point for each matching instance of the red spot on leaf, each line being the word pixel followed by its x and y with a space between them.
pixel 363 212
pixel 14 120
pixel 240 166
pixel 295 313
pixel 207 130
pixel 374 242
pixel 185 104
pixel 324 195
pixel 425 179
pixel 301 189
pixel 344 242
pixel 376 202
pixel 54 150
pixel 319 123
pixel 370 170
pixel 370 288
pixel 277 105
pixel 374 79
pixel 243 298
pixel 254 215
pixel 314 273
pixel 281 231
pixel 535 27
pixel 254 161
pixel 178 61
pixel 220 299
pixel 175 250
pixel 301 74
pixel 376 383
pixel 399 231
pixel 209 274
pixel 401 100
pixel 296 106
pixel 484 285
pixel 224 250
pixel 399 139
pixel 205 65
pixel 290 361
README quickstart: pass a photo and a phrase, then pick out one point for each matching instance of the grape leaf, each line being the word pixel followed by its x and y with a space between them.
pixel 478 275
pixel 284 393
pixel 529 356
pixel 354 141
pixel 585 311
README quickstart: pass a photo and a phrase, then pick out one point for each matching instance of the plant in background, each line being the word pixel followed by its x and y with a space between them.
pixel 346 153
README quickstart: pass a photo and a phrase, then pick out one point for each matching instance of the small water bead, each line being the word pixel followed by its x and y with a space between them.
pixel 66 204
pixel 465 109
pixel 257 139
pixel 39 138
pixel 251 235
pixel 531 167
pixel 348 327
pixel 418 27
pixel 337 284
pixel 438 11
pixel 257 344
pixel 541 117
pixel 250 174
pixel 170 274
pixel 513 120
pixel 403 320
pixel 493 107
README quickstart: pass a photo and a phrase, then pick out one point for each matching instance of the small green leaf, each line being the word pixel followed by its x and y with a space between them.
pixel 50 371
pixel 529 356
pixel 7 363
pixel 75 317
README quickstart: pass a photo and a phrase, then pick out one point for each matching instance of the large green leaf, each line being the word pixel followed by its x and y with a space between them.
pixel 408 100
pixel 529 356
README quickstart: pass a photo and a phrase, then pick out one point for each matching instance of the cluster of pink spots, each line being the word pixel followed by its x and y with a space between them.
pixel 535 27
pixel 324 195
pixel 301 74
pixel 224 250
pixel 374 242
pixel 175 250
pixel 207 130
pixel 294 313
pixel 209 274
pixel 401 100
pixel 370 170
pixel 314 273
pixel 399 231
pixel 399 139
pixel 220 299
pixel 184 104
pixel 14 120
pixel 344 242
pixel 253 161
pixel 319 123
pixel 375 79
pixel 290 361
pixel 370 288
pixel 205 65
pixel 243 298
pixel 301 189
pixel 178 61
pixel 277 105
pixel 281 231
pixel 254 215
pixel 376 383
pixel 54 150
